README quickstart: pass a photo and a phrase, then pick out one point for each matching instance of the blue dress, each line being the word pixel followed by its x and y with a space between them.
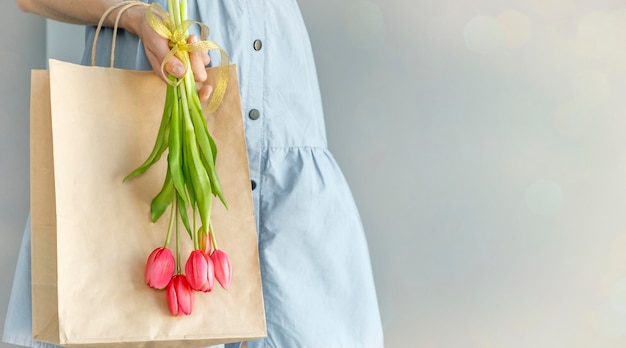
pixel 317 280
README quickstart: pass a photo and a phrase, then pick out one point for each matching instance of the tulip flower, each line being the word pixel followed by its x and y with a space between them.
pixel 180 296
pixel 199 271
pixel 222 266
pixel 159 268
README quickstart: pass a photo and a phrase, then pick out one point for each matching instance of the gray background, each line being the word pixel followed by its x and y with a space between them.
pixel 484 143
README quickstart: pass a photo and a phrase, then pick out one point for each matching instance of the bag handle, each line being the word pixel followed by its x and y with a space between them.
pixel 125 5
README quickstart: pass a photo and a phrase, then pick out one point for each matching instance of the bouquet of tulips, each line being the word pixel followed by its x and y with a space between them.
pixel 191 181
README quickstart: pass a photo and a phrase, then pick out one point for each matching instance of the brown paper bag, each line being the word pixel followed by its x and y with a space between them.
pixel 91 233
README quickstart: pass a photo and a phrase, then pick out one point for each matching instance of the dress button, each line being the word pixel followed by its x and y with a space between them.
pixel 253 183
pixel 254 114
pixel 257 45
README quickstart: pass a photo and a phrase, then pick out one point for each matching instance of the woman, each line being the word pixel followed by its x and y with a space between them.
pixel 317 282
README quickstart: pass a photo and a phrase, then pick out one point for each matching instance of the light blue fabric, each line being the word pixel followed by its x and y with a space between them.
pixel 317 280
pixel 18 326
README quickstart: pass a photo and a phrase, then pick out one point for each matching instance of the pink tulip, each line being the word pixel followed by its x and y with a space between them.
pixel 222 268
pixel 180 296
pixel 199 271
pixel 159 268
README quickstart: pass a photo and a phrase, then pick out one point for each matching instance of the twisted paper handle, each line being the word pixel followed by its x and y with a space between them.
pixel 125 5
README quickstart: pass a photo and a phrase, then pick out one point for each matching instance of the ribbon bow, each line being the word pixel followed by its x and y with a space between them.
pixel 161 23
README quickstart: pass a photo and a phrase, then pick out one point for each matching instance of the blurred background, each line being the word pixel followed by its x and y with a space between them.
pixel 485 144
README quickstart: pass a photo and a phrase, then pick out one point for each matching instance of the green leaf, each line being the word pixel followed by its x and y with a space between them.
pixel 174 156
pixel 163 199
pixel 199 176
pixel 215 182
pixel 161 142
pixel 182 210
pixel 187 175
pixel 208 151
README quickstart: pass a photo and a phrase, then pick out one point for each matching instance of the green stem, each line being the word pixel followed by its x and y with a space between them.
pixel 196 242
pixel 172 9
pixel 178 268
pixel 169 229
pixel 183 11
pixel 212 236
pixel 189 85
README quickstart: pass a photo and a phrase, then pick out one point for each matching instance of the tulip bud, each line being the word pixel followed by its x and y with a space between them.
pixel 180 296
pixel 222 266
pixel 199 271
pixel 159 268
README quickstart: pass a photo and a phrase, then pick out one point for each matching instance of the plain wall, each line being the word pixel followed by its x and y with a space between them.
pixel 484 144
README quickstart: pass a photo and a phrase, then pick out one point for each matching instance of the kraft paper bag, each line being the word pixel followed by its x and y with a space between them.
pixel 92 234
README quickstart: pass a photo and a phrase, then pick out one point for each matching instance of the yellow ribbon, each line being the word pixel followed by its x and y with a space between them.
pixel 161 23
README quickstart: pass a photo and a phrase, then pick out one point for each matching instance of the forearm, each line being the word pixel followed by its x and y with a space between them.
pixel 85 12
pixel 89 12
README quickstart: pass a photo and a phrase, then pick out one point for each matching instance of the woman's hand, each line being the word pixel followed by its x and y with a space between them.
pixel 133 20
pixel 157 48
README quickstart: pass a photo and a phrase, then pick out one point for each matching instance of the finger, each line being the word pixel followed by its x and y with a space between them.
pixel 172 66
pixel 175 67
pixel 199 55
pixel 204 92
pixel 197 62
